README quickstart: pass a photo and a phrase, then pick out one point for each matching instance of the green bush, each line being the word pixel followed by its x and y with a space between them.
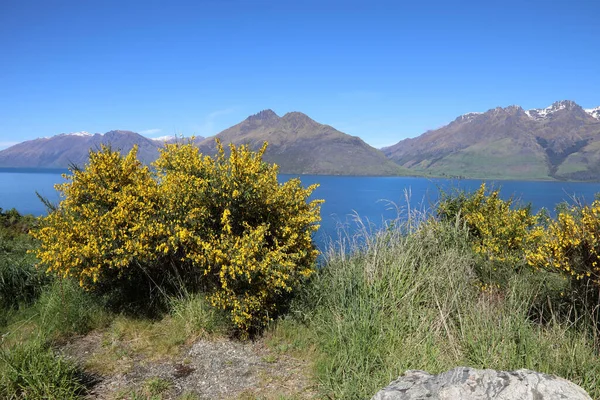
pixel 20 281
pixel 12 223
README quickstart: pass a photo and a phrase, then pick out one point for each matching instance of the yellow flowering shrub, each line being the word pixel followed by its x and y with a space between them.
pixel 98 233
pixel 500 232
pixel 571 244
pixel 250 236
pixel 224 224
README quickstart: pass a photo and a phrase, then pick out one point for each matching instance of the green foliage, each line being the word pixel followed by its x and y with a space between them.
pixel 63 309
pixel 33 312
pixel 156 386
pixel 14 224
pixel 222 224
pixel 20 281
pixel 33 371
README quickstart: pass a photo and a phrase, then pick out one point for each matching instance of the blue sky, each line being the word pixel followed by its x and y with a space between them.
pixel 380 70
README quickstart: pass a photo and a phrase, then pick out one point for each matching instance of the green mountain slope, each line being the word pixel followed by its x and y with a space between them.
pixel 500 159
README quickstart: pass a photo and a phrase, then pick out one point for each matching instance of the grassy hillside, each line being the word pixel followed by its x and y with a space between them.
pixel 500 159
pixel 581 165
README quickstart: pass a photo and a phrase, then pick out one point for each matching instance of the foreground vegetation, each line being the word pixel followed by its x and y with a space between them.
pixel 419 301
pixel 480 282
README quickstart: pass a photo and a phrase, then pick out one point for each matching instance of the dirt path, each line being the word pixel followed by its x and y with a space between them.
pixel 207 369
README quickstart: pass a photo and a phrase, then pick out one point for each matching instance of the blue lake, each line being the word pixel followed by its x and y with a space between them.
pixel 374 199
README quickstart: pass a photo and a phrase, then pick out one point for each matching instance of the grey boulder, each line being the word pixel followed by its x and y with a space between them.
pixel 477 384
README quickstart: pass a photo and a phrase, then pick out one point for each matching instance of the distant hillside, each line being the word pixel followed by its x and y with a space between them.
pixel 300 145
pixel 558 142
pixel 62 150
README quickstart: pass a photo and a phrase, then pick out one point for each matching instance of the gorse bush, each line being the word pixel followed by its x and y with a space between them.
pixel 100 233
pixel 571 245
pixel 222 224
pixel 250 236
pixel 97 235
pixel 512 239
pixel 499 230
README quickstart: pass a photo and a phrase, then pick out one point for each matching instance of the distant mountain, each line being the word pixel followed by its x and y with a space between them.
pixel 297 144
pixel 561 141
pixel 72 148
pixel 300 145
pixel 65 149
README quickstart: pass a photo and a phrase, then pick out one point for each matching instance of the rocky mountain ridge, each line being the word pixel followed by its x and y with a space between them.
pixel 557 142
pixel 298 144
pixel 561 141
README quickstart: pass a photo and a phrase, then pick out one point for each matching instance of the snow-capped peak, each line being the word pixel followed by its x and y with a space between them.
pixel 81 133
pixel 594 112
pixel 543 113
pixel 163 138
pixel 468 117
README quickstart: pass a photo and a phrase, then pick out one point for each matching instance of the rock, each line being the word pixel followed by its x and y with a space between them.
pixel 477 384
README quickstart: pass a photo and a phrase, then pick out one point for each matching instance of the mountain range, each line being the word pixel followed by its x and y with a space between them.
pixel 298 144
pixel 62 150
pixel 561 141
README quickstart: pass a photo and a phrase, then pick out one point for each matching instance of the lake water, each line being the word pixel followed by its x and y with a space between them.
pixel 371 198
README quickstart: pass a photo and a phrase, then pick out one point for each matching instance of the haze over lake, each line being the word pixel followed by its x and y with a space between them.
pixel 374 199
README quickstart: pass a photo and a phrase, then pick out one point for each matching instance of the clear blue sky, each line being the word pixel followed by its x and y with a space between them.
pixel 376 69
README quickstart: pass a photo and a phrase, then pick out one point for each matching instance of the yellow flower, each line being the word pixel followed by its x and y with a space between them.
pixel 117 215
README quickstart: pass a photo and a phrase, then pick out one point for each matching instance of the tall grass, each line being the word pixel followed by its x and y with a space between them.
pixel 410 298
pixel 33 314
pixel 20 281
pixel 33 371
pixel 29 368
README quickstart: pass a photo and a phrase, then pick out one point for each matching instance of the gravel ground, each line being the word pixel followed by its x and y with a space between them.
pixel 208 369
